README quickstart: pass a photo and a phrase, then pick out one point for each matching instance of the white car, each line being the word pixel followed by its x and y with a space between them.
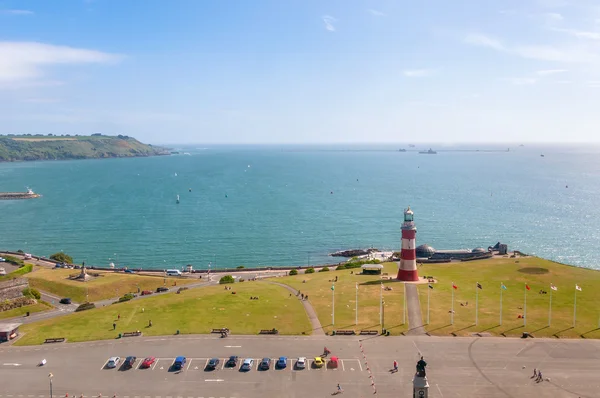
pixel 301 363
pixel 2 271
pixel 113 362
pixel 2 259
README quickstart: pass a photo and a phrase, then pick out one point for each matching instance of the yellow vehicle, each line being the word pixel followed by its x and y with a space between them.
pixel 319 362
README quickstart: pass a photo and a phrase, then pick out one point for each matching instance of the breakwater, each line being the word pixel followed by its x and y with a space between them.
pixel 18 195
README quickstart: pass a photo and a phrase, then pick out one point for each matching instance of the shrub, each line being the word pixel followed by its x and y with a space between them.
pixel 340 267
pixel 310 270
pixel 62 258
pixel 226 279
pixel 240 267
pixel 85 306
pixel 16 303
pixel 242 279
pixel 293 272
pixel 14 260
pixel 126 297
pixel 324 269
pixel 20 251
pixel 31 292
pixel 15 274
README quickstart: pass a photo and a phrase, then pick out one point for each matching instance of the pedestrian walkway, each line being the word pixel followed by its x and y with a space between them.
pixel 310 311
pixel 415 321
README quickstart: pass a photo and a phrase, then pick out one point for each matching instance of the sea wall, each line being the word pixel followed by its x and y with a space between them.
pixel 12 288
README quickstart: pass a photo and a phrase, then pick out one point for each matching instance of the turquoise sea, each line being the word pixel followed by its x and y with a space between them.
pixel 292 205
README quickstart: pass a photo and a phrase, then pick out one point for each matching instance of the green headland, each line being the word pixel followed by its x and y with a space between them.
pixel 53 147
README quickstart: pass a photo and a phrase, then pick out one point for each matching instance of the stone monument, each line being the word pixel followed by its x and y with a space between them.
pixel 83 276
pixel 420 383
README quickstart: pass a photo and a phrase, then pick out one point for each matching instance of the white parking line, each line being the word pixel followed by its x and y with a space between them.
pixel 189 363
pixel 104 365
pixel 206 363
pixel 223 364
pixel 342 361
pixel 155 363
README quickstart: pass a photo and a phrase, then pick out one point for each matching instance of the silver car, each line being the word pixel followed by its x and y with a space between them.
pixel 113 362
pixel 301 363
pixel 248 364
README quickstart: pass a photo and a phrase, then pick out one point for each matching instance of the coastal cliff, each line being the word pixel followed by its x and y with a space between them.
pixel 50 147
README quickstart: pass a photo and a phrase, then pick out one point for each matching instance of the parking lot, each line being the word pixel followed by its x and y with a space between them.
pixel 457 367
pixel 201 364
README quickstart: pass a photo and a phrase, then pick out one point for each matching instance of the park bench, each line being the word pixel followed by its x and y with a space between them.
pixel 345 332
pixel 221 330
pixel 132 334
pixel 368 332
pixel 269 331
pixel 54 340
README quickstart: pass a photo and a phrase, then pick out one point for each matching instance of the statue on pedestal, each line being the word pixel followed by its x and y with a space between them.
pixel 421 367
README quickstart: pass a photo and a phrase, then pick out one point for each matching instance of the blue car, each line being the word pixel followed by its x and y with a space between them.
pixel 179 363
pixel 129 271
pixel 282 362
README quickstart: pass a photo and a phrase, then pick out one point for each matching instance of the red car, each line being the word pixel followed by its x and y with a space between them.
pixel 148 362
pixel 146 292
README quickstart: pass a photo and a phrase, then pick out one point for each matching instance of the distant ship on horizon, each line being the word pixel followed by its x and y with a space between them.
pixel 429 152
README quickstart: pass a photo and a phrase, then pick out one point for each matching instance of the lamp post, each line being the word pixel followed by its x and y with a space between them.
pixel 50 376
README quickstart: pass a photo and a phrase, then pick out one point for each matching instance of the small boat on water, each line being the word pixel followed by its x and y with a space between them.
pixel 429 152
pixel 542 155
pixel 401 150
pixel 177 200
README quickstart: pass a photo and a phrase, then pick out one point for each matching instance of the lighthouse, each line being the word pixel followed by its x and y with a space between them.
pixel 407 269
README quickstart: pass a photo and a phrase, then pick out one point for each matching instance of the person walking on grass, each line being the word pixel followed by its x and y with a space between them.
pixel 114 326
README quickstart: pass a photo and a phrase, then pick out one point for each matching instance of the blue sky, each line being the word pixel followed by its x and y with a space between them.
pixel 303 71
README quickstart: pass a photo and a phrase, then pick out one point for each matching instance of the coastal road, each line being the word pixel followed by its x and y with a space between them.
pixel 457 367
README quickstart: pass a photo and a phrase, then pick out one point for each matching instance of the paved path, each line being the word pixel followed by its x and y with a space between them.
pixel 415 323
pixel 310 311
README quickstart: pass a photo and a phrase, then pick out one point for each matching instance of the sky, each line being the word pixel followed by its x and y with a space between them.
pixel 303 71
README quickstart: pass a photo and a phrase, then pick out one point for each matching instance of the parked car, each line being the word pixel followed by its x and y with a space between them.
pixel 232 361
pixel 281 363
pixel 212 364
pixel 2 271
pixel 265 364
pixel 146 292
pixel 247 365
pixel 149 361
pixel 318 362
pixel 2 259
pixel 162 289
pixel 113 362
pixel 129 271
pixel 65 300
pixel 179 363
pixel 301 363
pixel 129 361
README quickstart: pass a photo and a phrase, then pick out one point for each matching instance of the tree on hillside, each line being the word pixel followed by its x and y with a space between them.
pixel 62 258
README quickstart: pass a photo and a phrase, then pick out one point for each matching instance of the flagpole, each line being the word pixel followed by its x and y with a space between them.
pixel 332 305
pixel 476 304
pixel 356 319
pixel 404 307
pixel 428 294
pixel 452 311
pixel 381 304
pixel 575 309
pixel 525 308
pixel 550 309
pixel 500 303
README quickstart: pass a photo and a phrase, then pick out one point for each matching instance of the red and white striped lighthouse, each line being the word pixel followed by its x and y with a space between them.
pixel 407 269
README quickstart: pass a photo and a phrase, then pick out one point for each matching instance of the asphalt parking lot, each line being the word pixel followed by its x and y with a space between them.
pixel 457 367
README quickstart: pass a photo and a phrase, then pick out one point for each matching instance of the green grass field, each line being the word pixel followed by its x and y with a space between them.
pixel 39 307
pixel 193 311
pixel 514 273
pixel 109 285
pixel 318 288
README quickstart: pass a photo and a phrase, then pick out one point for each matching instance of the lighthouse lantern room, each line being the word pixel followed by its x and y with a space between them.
pixel 407 268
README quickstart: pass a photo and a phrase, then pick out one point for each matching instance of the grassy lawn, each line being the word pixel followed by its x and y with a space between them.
pixel 514 273
pixel 192 311
pixel 39 307
pixel 318 288
pixel 109 285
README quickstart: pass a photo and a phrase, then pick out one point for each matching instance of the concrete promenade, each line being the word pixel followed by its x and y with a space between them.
pixel 457 367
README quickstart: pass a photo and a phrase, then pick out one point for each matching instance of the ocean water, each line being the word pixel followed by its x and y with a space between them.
pixel 292 205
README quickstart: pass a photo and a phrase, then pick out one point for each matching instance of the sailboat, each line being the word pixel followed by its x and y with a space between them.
pixel 177 199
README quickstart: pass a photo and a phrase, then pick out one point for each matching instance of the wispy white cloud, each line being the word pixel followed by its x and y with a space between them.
pixel 552 3
pixel 25 61
pixel 376 13
pixel 520 81
pixel 548 72
pixel 553 18
pixel 16 12
pixel 581 34
pixel 329 21
pixel 418 72
pixel 477 39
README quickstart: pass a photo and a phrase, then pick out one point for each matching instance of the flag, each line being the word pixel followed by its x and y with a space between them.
pixel 479 285
pixel 431 287
pixel 577 287
pixel 332 287
pixel 527 287
pixel 553 287
pixel 454 286
pixel 503 287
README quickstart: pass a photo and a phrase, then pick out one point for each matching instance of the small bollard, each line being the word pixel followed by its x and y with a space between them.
pixel 120 335
pixel 177 331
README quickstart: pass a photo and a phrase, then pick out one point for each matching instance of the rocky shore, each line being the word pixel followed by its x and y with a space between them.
pixel 354 252
pixel 18 195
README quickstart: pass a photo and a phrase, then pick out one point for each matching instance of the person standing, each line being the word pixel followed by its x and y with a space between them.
pixel 534 373
pixel 114 326
pixel 395 366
